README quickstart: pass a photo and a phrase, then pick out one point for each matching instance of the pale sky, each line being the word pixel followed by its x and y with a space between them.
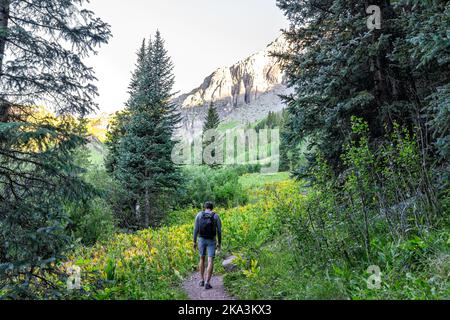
pixel 200 35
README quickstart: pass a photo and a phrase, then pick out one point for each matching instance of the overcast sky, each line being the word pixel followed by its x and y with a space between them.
pixel 200 35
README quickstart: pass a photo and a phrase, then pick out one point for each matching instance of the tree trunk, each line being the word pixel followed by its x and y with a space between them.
pixel 4 18
pixel 137 213
pixel 147 212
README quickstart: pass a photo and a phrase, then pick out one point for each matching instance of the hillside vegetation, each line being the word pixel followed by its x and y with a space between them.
pixel 275 261
pixel 359 210
pixel 151 263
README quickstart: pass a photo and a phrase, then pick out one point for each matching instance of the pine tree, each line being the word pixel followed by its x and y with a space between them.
pixel 144 165
pixel 42 44
pixel 212 120
pixel 339 69
pixel 210 125
pixel 287 155
pixel 116 128
pixel 139 72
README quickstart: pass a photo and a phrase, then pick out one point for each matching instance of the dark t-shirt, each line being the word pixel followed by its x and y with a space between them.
pixel 218 224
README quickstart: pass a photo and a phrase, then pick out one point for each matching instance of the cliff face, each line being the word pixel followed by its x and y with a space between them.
pixel 244 92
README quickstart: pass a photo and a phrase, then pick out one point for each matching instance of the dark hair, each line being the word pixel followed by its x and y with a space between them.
pixel 209 205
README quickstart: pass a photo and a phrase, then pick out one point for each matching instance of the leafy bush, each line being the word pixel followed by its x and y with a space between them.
pixel 289 273
pixel 221 186
pixel 381 211
pixel 298 262
pixel 92 221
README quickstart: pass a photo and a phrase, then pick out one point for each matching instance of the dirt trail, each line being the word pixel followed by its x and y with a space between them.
pixel 195 292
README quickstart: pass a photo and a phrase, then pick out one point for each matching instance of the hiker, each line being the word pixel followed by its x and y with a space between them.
pixel 207 228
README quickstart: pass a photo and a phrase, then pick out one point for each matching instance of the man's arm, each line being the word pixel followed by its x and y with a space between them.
pixel 219 230
pixel 196 229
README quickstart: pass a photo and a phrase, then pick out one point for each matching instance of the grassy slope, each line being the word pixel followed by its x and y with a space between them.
pixel 224 126
pixel 415 268
pixel 256 180
pixel 97 153
pixel 282 273
pixel 152 263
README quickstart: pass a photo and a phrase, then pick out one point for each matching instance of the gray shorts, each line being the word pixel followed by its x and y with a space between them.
pixel 207 245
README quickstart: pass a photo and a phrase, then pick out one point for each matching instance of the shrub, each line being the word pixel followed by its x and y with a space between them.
pixel 91 222
pixel 221 186
pixel 381 211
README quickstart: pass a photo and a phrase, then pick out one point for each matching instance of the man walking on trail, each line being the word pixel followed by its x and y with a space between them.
pixel 207 228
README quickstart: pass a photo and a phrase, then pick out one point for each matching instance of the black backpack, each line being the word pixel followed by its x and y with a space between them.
pixel 207 225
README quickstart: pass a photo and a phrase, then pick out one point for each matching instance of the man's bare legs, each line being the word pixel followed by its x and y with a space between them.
pixel 201 267
pixel 209 272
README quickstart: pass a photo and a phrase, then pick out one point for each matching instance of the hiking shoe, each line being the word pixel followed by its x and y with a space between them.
pixel 208 286
pixel 202 283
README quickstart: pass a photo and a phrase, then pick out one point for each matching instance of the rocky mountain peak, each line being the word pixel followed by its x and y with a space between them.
pixel 240 83
pixel 244 92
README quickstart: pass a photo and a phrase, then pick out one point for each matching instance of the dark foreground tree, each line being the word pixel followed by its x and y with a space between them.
pixel 42 45
pixel 394 75
pixel 143 163
pixel 373 103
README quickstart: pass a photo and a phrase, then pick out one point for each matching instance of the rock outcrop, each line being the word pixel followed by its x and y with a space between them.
pixel 229 264
pixel 241 83
pixel 244 92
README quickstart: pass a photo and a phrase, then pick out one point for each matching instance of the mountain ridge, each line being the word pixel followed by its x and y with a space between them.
pixel 245 91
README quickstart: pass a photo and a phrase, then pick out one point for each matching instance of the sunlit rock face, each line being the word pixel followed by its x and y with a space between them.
pixel 241 83
pixel 244 92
